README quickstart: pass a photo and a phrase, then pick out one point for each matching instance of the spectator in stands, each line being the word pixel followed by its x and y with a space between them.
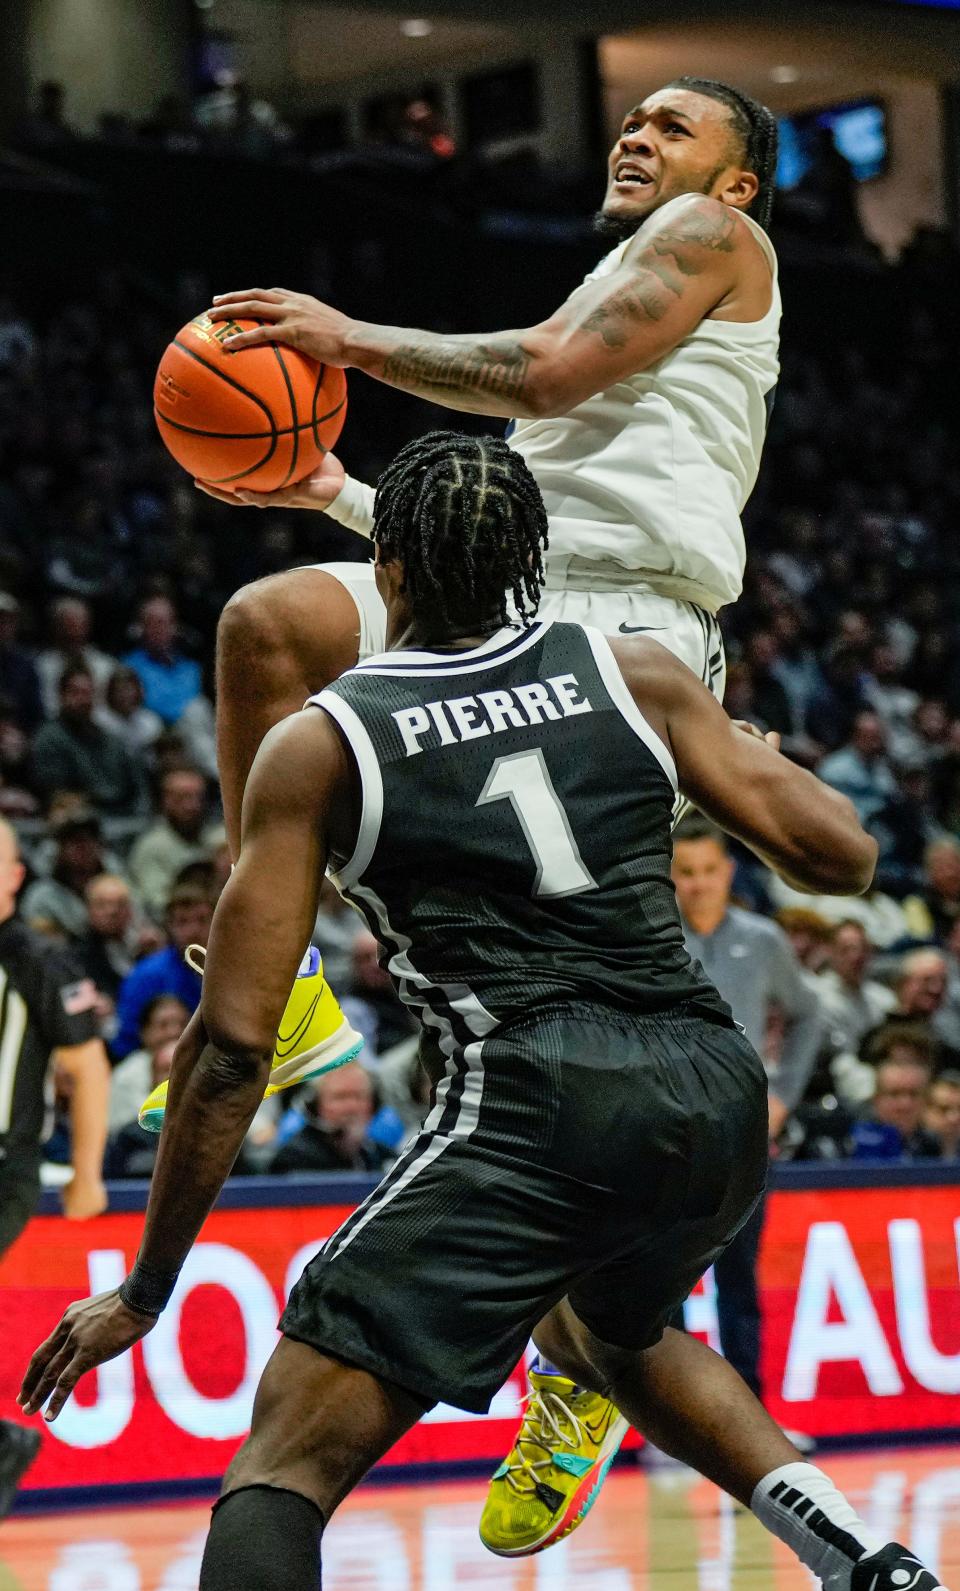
pixel 196 728
pixel 125 716
pixel 16 800
pixel 941 1113
pixel 809 936
pixel 860 769
pixel 58 905
pixel 403 1084
pixel 116 935
pixel 19 681
pixel 937 909
pixel 750 961
pixel 180 835
pixel 771 699
pixel 826 195
pixel 853 1002
pixel 921 990
pixel 131 1152
pixel 335 1131
pixel 161 1023
pixel 70 623
pixel 841 699
pixel 170 680
pixel 338 927
pixel 795 666
pixel 74 753
pixel 893 702
pixel 172 125
pixel 892 1128
pixel 188 917
pixel 18 340
pixel 45 128
pixel 371 1003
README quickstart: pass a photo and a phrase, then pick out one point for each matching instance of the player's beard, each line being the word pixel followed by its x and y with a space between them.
pixel 616 228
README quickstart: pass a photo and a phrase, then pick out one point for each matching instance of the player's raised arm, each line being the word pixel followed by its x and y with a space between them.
pixel 809 833
pixel 684 262
pixel 223 1060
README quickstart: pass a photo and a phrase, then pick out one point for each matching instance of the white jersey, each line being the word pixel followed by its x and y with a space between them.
pixel 648 479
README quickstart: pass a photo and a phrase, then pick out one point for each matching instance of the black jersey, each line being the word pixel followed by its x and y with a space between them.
pixel 45 1003
pixel 514 844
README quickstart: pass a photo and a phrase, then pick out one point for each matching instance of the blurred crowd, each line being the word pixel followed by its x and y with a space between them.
pixel 113 570
pixel 229 118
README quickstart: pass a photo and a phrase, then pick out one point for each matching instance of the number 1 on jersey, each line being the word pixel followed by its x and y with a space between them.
pixel 524 780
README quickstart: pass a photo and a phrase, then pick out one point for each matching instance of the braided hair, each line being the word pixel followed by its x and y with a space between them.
pixel 756 126
pixel 464 518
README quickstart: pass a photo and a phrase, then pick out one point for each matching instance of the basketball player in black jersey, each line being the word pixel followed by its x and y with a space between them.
pixel 496 799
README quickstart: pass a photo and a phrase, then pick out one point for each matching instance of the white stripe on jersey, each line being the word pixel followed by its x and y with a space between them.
pixel 14 1011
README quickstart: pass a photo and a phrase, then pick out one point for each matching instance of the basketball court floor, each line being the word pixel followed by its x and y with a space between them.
pixel 652 1530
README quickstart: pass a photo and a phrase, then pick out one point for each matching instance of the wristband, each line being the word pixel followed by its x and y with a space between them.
pixel 147 1291
pixel 353 507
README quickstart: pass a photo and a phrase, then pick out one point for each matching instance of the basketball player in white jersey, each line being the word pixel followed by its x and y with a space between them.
pixel 640 407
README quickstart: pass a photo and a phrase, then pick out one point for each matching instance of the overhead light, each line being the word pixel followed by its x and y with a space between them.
pixel 784 74
pixel 416 28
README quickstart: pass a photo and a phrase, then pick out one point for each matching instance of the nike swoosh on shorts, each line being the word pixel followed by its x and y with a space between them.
pixel 635 629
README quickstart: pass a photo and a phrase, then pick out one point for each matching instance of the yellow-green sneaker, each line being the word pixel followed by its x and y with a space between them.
pixel 550 1480
pixel 314 1036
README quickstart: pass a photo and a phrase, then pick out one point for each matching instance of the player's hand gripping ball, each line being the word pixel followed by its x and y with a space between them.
pixel 254 418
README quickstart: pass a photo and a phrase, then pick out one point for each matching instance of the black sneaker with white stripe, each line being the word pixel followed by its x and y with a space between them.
pixel 893 1568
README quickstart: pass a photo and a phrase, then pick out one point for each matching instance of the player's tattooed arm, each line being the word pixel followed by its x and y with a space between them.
pixel 660 270
pixel 496 375
pixel 678 269
pixel 435 366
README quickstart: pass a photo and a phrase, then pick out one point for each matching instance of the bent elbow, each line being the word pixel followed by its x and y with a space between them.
pixel 235 1058
pixel 864 865
pixel 550 390
pixel 850 868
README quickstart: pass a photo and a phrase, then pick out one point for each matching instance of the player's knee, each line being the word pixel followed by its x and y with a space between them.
pixel 249 619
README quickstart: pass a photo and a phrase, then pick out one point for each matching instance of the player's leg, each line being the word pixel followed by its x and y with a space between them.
pixel 695 1406
pixel 318 1425
pixel 693 636
pixel 279 641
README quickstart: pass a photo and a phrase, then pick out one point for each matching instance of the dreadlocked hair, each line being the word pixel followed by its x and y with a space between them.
pixel 464 518
pixel 757 126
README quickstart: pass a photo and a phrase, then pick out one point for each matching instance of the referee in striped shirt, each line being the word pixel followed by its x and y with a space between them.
pixel 46 1010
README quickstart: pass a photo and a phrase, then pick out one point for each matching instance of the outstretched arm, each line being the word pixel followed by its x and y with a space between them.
pixel 680 266
pixel 807 832
pixel 300 775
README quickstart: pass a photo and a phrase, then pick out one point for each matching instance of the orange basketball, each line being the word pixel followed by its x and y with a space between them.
pixel 260 418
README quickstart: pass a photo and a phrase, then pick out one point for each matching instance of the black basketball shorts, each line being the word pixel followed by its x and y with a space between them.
pixel 586 1153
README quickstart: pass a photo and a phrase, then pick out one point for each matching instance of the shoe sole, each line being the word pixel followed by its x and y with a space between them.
pixel 323 1057
pixel 581 1501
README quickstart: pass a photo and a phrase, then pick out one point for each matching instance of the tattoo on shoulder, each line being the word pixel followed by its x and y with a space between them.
pixel 661 265
pixel 498 367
